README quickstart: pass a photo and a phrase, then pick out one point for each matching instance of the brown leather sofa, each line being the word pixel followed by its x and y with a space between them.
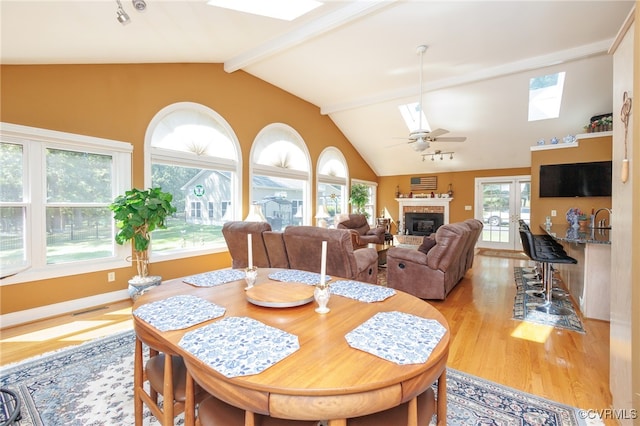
pixel 300 247
pixel 363 234
pixel 432 275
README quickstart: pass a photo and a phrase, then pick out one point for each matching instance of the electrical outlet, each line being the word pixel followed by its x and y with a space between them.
pixel 467 207
pixel 111 276
pixel 554 213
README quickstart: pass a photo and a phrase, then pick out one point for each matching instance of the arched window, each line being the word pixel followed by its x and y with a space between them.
pixel 193 153
pixel 332 184
pixel 280 176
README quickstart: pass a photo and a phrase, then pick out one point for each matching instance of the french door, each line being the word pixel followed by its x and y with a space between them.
pixel 500 202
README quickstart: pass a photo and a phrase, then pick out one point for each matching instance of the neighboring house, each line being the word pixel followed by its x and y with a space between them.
pixel 206 198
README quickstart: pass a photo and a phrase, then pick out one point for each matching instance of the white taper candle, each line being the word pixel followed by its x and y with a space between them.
pixel 249 251
pixel 323 264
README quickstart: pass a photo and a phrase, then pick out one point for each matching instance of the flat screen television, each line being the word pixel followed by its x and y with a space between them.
pixel 576 180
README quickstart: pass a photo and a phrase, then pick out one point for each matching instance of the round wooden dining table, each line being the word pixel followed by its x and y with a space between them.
pixel 325 379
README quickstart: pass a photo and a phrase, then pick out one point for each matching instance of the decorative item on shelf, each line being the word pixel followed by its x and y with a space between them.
pixel 321 293
pixel 397 191
pixel 137 213
pixel 583 221
pixel 624 116
pixel 554 141
pixel 572 217
pixel 540 142
pixel 569 139
pixel 600 123
pixel 450 191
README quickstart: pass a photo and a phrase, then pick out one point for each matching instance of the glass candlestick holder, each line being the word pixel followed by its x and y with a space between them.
pixel 250 275
pixel 321 294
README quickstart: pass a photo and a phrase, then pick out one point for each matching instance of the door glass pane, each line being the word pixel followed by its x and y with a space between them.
pixel 495 211
pixel 525 202
pixel 202 199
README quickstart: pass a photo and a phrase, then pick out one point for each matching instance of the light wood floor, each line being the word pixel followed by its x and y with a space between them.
pixel 568 367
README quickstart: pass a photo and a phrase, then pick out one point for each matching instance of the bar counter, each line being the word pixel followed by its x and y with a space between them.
pixel 589 280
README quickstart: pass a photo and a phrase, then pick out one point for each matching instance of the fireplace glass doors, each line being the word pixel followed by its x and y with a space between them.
pixel 423 223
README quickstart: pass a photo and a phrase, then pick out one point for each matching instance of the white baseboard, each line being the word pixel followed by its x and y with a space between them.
pixel 29 315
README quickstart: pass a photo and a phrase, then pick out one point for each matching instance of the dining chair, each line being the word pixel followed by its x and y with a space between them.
pixel 399 415
pixel 163 374
pixel 214 412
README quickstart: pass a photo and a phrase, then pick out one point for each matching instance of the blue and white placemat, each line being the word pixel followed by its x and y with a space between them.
pixel 239 346
pixel 178 312
pixel 361 292
pixel 209 279
pixel 297 276
pixel 397 337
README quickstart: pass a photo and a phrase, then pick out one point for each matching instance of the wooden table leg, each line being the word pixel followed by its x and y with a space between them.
pixel 249 418
pixel 442 399
pixel 412 415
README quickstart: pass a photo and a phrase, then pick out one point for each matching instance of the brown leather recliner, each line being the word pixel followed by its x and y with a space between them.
pixel 434 274
pixel 363 234
pixel 304 250
pixel 235 235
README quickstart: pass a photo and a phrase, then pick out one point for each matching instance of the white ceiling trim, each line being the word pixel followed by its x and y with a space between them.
pixel 528 64
pixel 309 30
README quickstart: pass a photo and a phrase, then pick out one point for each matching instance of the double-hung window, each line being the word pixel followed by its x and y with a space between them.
pixel 192 153
pixel 332 179
pixel 55 191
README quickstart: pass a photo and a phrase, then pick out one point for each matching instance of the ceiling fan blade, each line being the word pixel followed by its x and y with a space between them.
pixel 451 139
pixel 437 132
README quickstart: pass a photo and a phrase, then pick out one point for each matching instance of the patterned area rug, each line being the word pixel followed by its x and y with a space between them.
pixel 524 311
pixel 92 384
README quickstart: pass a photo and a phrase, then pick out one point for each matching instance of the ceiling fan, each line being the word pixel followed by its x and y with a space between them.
pixel 420 139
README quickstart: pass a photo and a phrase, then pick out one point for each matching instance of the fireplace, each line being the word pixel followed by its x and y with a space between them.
pixel 423 223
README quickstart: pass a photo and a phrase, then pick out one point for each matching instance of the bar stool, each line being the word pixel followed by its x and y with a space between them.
pixel 547 258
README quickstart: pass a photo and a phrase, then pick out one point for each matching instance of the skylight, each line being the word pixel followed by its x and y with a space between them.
pixel 287 10
pixel 545 96
pixel 411 115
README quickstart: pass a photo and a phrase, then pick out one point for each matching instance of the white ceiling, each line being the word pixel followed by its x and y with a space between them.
pixel 357 61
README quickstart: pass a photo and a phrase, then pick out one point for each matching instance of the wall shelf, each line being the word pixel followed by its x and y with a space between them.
pixel 575 144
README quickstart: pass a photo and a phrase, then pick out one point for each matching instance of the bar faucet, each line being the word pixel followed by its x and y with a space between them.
pixel 603 223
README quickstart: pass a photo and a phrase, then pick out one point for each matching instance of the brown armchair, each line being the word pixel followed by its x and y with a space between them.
pixel 304 249
pixel 363 234
pixel 433 270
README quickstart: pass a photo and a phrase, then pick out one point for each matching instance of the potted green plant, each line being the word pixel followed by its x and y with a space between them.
pixel 137 214
pixel 359 198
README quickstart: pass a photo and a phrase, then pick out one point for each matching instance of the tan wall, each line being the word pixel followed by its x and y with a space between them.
pixel 117 102
pixel 594 149
pixel 462 184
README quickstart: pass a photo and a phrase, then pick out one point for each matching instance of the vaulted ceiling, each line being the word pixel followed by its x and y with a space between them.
pixel 356 60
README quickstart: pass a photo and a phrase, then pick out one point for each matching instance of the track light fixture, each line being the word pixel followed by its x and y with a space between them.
pixel 121 15
pixel 438 154
pixel 139 5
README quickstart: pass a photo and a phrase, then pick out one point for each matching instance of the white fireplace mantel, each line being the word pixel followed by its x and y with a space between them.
pixel 443 202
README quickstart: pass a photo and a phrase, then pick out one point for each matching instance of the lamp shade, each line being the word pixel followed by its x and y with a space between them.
pixel 255 214
pixel 322 212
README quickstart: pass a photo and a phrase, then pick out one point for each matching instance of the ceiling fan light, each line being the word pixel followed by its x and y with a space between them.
pixel 420 145
pixel 121 15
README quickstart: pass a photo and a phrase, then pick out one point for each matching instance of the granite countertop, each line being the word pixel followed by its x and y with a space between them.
pixel 586 235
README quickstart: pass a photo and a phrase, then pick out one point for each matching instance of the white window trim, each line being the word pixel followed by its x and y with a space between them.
pixel 373 202
pixel 191 160
pixel 265 170
pixel 35 141
pixel 337 180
